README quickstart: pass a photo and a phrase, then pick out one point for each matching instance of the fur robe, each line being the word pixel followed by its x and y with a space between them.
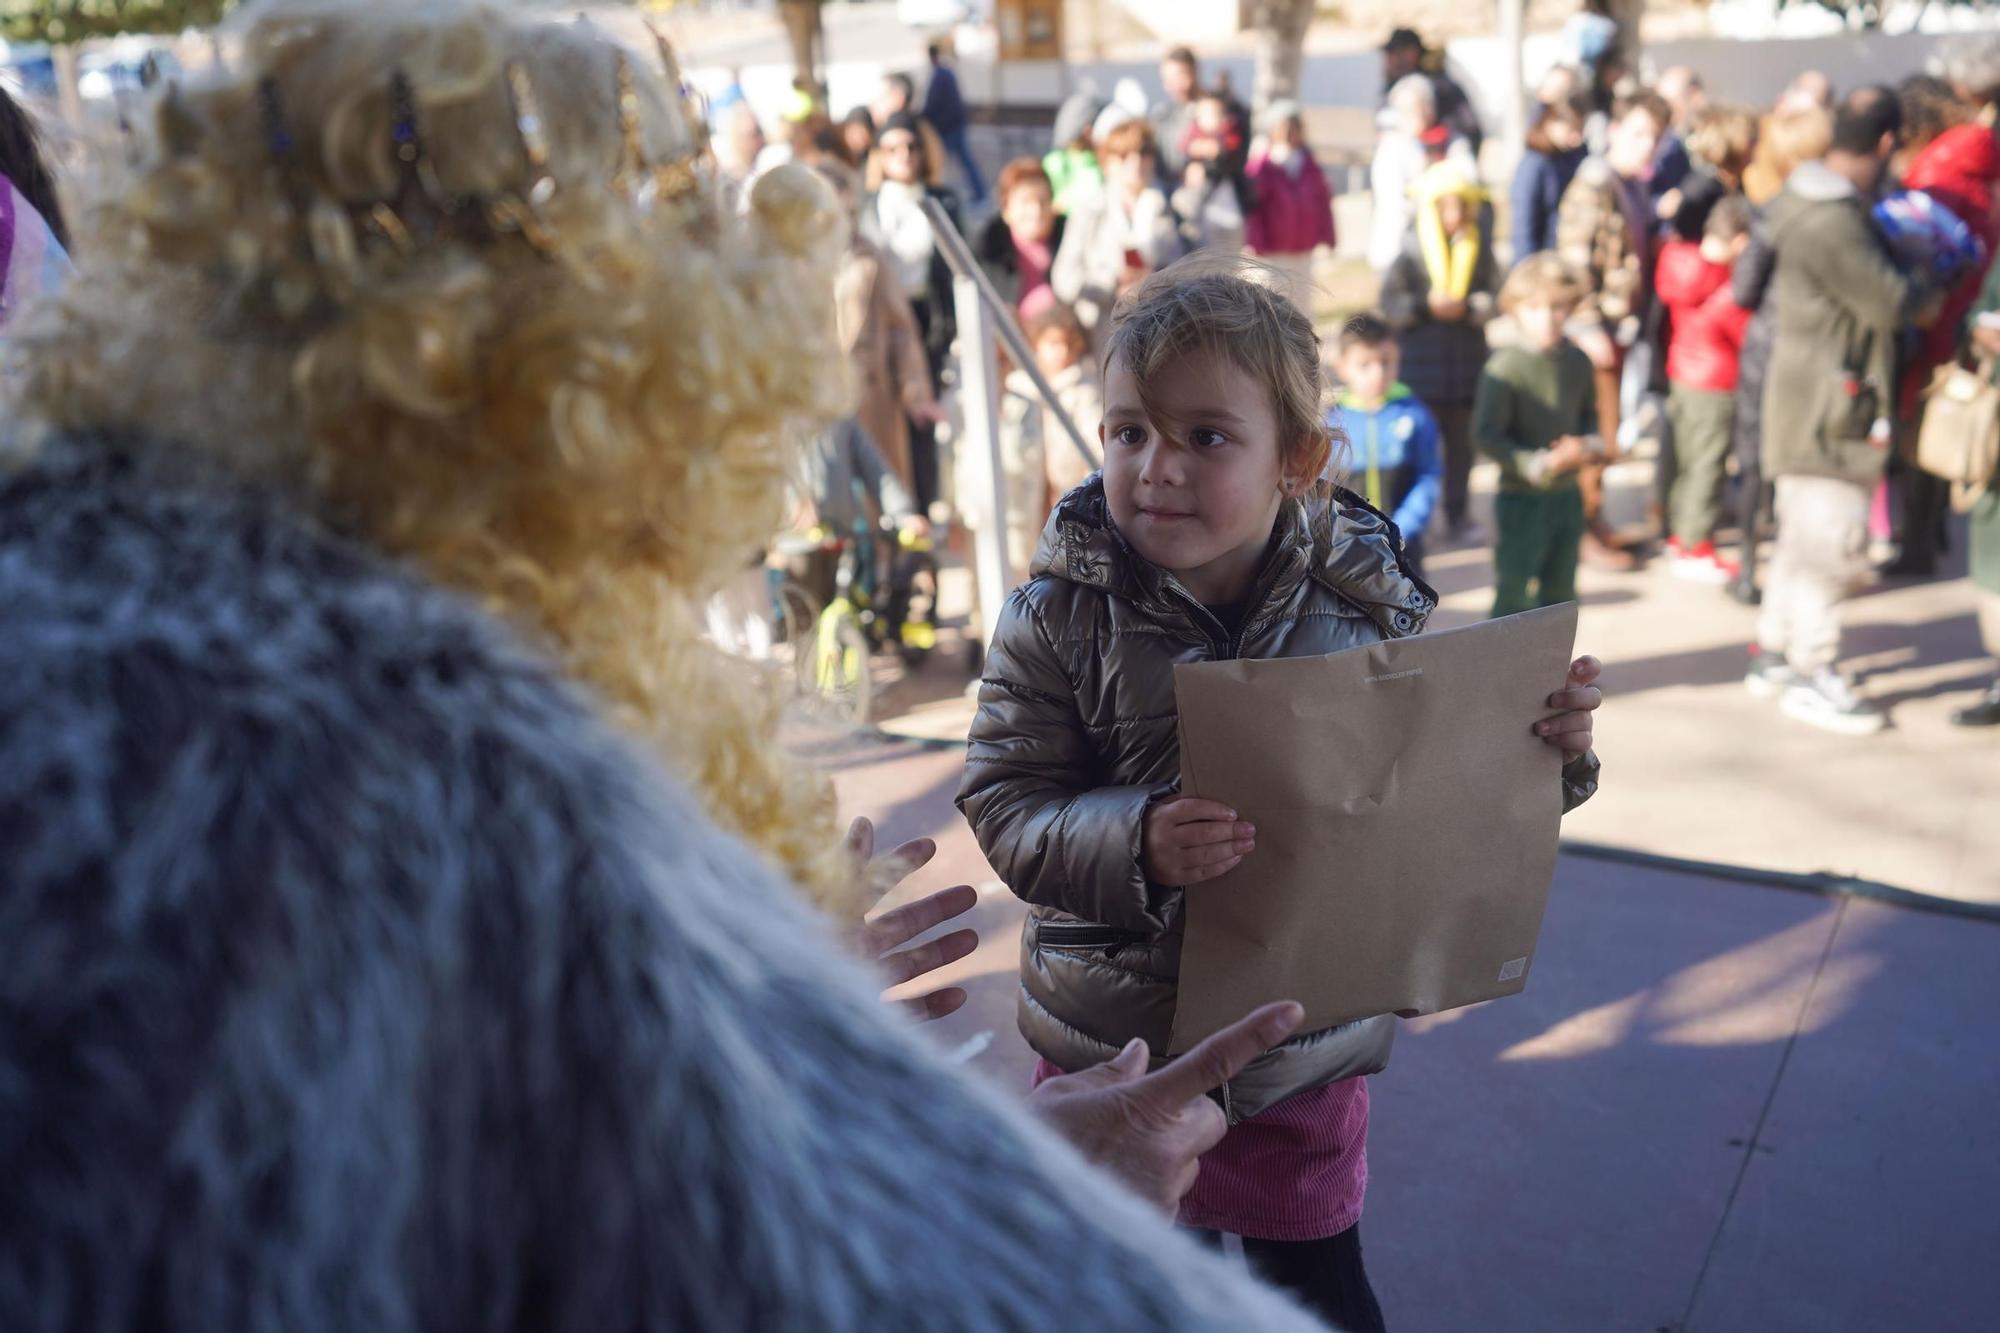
pixel 353 975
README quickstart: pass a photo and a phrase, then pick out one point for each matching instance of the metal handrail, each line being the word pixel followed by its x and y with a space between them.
pixel 958 256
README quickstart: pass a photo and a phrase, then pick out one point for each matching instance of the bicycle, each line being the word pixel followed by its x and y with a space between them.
pixel 834 638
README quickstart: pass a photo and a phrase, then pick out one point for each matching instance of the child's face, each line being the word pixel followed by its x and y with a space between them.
pixel 1056 350
pixel 1367 372
pixel 1211 116
pixel 1029 211
pixel 1196 491
pixel 1127 176
pixel 1541 322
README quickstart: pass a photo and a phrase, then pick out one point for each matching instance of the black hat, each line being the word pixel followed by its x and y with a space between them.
pixel 1403 39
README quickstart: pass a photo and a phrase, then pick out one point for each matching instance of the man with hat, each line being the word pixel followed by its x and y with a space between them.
pixel 1405 54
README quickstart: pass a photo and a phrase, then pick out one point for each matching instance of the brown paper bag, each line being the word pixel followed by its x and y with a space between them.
pixel 1406 817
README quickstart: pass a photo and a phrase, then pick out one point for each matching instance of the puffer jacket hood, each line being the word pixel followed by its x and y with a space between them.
pixel 1077 736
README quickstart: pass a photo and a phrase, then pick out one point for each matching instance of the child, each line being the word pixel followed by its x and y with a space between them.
pixel 1393 435
pixel 1536 411
pixel 1294 213
pixel 1203 538
pixel 1213 195
pixel 1703 355
pixel 1438 297
pixel 1062 353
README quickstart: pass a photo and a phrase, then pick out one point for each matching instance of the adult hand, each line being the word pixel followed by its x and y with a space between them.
pixel 1445 307
pixel 877 939
pixel 929 413
pixel 1150 1130
pixel 1570 729
pixel 1185 841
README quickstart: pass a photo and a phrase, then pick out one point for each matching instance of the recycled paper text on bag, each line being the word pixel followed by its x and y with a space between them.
pixel 1406 814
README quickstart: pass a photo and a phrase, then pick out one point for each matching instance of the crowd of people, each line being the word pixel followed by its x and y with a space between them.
pixel 1767 297
pixel 1655 201
pixel 1126 188
pixel 399 891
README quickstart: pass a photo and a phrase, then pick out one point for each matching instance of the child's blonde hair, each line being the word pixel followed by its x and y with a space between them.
pixel 1226 305
pixel 460 283
pixel 1540 277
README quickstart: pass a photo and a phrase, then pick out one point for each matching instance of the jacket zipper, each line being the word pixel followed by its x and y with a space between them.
pixel 1231 644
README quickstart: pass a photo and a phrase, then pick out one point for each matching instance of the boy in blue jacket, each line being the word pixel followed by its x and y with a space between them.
pixel 1393 452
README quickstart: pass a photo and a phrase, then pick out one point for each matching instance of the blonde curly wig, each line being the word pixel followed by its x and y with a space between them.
pixel 586 425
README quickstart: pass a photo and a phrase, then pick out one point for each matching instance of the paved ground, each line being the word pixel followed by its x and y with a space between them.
pixel 1718 1106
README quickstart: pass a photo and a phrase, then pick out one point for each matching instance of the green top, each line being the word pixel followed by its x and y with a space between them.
pixel 1527 401
pixel 1073 173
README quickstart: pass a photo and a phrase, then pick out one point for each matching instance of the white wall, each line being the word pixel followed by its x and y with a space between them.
pixel 1751 71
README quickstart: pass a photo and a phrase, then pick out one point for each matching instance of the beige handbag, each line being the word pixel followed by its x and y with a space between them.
pixel 1959 440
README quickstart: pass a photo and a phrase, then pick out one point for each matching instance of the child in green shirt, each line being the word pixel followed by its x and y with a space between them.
pixel 1536 412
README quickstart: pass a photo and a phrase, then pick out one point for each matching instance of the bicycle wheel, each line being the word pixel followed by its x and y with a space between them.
pixel 797 613
pixel 842 682
pixel 917 599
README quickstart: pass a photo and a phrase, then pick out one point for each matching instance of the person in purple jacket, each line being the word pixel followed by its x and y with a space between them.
pixel 1294 212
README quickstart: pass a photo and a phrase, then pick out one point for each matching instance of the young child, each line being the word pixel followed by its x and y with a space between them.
pixel 1438 298
pixel 1294 213
pixel 1393 436
pixel 1213 190
pixel 1205 537
pixel 1536 411
pixel 1062 353
pixel 1703 356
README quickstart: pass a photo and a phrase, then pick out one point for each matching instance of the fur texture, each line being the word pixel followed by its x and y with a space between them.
pixel 353 975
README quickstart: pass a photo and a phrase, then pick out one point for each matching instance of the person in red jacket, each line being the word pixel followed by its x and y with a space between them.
pixel 1692 280
pixel 1294 212
pixel 1960 169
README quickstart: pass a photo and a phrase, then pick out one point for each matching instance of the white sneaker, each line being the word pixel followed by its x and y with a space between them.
pixel 1829 702
pixel 1700 569
pixel 1769 675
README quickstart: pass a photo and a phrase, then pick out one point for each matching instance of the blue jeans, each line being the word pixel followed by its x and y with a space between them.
pixel 960 148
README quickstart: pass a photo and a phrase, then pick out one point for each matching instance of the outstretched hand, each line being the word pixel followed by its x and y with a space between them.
pixel 1579 698
pixel 1151 1129
pixel 877 940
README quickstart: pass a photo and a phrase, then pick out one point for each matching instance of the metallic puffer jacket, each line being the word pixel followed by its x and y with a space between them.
pixel 1076 735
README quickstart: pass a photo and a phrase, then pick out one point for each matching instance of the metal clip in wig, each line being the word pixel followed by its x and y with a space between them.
pixel 407 141
pixel 521 211
pixel 694 106
pixel 677 179
pixel 631 143
pixel 279 143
